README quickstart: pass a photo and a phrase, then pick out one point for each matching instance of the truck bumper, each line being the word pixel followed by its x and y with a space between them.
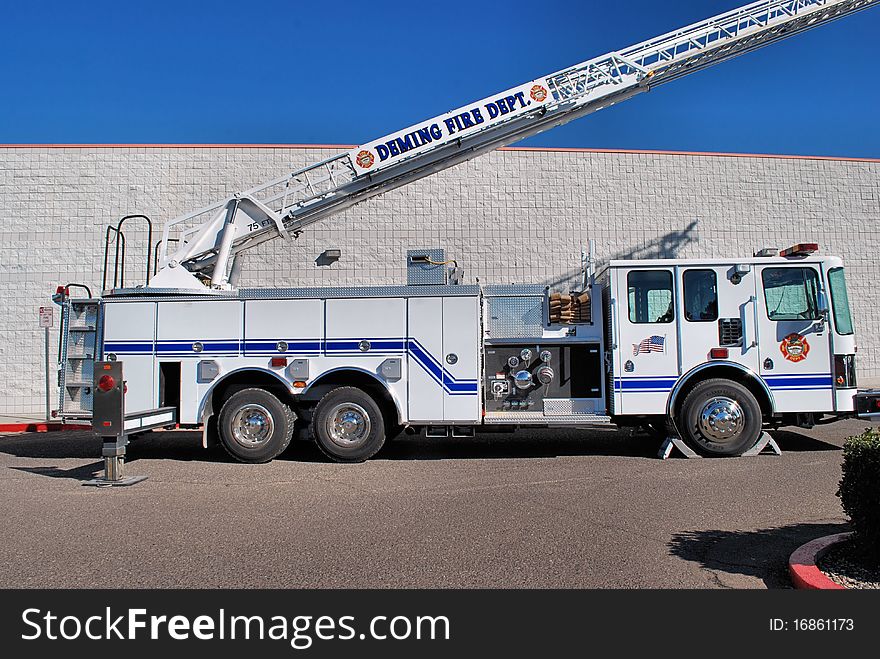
pixel 868 404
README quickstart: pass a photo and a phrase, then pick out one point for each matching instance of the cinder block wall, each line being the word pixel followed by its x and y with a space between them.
pixel 511 216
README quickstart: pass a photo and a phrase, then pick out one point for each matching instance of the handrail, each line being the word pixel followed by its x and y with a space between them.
pixel 119 262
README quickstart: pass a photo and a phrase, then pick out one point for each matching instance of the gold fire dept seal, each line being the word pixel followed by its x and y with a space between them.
pixel 538 93
pixel 365 159
pixel 794 347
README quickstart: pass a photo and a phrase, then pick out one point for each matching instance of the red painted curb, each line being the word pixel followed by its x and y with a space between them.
pixel 41 427
pixel 803 568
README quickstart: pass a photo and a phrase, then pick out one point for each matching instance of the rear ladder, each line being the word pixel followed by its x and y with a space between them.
pixel 78 347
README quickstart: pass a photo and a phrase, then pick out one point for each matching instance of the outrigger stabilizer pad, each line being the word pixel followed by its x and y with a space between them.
pixel 113 469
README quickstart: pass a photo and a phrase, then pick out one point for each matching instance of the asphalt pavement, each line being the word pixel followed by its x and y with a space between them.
pixel 535 509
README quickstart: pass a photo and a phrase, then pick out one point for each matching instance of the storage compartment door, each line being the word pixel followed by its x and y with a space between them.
pixel 129 333
pixel 460 359
pixel 424 348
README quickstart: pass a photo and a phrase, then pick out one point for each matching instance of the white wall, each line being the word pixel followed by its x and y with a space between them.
pixel 510 216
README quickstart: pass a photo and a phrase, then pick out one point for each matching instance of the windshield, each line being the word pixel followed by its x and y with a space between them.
pixel 791 293
pixel 840 301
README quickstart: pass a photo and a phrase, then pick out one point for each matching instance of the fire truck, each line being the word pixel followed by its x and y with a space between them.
pixel 709 352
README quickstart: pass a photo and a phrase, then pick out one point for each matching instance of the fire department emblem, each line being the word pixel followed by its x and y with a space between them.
pixel 538 94
pixel 365 159
pixel 794 347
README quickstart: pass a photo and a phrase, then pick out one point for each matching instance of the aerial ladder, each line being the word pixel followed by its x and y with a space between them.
pixel 199 251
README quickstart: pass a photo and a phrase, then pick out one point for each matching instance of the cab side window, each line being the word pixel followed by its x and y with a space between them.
pixel 700 291
pixel 791 293
pixel 650 296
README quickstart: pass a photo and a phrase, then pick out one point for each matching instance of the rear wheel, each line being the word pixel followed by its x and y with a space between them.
pixel 255 426
pixel 720 418
pixel 348 425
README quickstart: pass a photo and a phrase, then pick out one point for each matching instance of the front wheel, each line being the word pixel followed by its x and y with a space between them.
pixel 720 418
pixel 348 425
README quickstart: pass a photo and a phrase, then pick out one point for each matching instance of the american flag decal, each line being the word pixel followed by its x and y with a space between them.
pixel 651 344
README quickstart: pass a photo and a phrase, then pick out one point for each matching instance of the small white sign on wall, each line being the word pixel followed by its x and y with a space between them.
pixel 46 316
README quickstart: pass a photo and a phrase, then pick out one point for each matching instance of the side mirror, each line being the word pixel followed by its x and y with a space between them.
pixel 823 305
pixel 823 310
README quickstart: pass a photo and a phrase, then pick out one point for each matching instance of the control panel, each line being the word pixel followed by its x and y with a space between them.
pixel 520 376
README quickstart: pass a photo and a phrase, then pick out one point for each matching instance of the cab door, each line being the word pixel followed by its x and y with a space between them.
pixel 717 313
pixel 646 351
pixel 793 337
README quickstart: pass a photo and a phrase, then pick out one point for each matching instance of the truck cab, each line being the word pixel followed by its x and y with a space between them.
pixel 718 346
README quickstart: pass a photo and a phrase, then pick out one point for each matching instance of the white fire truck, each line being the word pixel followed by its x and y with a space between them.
pixel 711 351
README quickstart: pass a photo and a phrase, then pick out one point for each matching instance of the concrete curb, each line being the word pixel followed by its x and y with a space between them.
pixel 37 426
pixel 803 568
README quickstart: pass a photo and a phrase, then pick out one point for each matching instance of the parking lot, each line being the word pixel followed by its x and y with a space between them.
pixel 541 508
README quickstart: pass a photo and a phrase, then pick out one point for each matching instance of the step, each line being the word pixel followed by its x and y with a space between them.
pixel 538 418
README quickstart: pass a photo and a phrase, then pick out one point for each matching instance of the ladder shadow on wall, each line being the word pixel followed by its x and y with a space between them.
pixel 667 246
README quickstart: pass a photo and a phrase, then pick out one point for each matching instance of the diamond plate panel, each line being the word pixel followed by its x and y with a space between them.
pixel 515 317
pixel 567 406
pixel 157 295
pixel 419 274
pixel 506 290
pixel 538 418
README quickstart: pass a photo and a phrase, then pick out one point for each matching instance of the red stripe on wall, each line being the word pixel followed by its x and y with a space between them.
pixel 345 147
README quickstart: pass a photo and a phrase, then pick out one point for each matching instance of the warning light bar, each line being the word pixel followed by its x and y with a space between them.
pixel 801 249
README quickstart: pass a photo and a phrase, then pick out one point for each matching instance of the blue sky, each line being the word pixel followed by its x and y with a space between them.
pixel 345 72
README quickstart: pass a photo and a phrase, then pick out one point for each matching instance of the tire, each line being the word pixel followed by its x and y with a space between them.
pixel 720 418
pixel 254 426
pixel 348 426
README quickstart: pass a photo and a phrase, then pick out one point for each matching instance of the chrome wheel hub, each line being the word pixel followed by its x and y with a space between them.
pixel 348 425
pixel 252 425
pixel 721 419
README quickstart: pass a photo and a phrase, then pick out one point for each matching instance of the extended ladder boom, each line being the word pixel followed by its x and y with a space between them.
pixel 208 240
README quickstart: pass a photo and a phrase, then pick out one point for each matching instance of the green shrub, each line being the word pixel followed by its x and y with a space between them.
pixel 859 489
